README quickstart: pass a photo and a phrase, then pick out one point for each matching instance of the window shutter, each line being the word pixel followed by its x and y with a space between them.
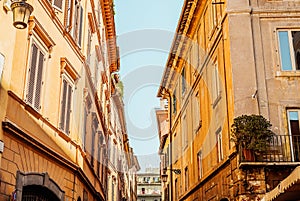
pixel 31 79
pixel 58 3
pixel 63 106
pixel 75 20
pixel 84 128
pixel 80 26
pixel 38 87
pixel 68 111
pixel 68 17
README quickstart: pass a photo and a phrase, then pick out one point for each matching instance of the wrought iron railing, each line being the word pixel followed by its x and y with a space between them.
pixel 282 148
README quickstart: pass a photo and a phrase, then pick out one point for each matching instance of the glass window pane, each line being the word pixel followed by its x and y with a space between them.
pixel 293 115
pixel 285 55
pixel 296 46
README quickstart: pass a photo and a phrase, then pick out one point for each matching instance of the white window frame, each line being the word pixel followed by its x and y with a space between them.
pixel 216 88
pixel 56 7
pixel 219 144
pixel 289 129
pixel 292 58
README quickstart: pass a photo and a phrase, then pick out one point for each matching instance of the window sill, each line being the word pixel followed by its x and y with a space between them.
pixel 294 73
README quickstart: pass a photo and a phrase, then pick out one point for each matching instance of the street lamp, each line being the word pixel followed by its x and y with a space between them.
pixel 21 12
pixel 164 178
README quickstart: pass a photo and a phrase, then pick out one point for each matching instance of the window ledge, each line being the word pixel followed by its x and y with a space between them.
pixel 294 73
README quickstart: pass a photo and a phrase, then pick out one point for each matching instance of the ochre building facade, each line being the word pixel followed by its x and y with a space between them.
pixel 231 58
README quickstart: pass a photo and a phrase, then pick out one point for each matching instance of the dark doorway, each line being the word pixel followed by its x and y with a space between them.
pixel 38 193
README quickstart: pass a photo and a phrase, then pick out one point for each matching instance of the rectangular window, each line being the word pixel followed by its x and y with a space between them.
pixel 200 164
pixel 65 110
pixel 184 132
pixel 215 83
pixel 57 4
pixel 35 75
pixel 88 53
pixel 294 131
pixel 85 196
pixel 289 48
pixel 77 23
pixel 68 18
pixel 219 144
pixel 174 103
pixel 183 81
pixel 176 189
pixel 94 132
pixel 186 179
pixel 196 113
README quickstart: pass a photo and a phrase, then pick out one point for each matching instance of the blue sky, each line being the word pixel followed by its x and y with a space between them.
pixel 145 30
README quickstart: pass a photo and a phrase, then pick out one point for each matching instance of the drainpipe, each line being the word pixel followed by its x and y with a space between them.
pixel 170 144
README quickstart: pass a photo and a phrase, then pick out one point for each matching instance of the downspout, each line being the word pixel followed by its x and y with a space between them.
pixel 170 154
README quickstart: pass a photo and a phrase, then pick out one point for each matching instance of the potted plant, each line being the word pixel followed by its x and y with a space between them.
pixel 252 134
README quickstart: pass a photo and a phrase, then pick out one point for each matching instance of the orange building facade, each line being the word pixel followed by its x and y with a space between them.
pixel 55 102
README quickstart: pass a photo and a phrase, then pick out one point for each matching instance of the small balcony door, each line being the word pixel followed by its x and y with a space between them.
pixel 294 132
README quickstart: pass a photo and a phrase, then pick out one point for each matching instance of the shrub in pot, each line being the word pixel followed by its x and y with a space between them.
pixel 252 134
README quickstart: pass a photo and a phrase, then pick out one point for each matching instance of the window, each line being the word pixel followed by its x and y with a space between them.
pixel 215 83
pixel 184 132
pixel 77 22
pixel 88 53
pixel 174 103
pixel 219 144
pixel 186 179
pixel 200 165
pixel 86 120
pixel 35 76
pixel 57 3
pixel 183 81
pixel 176 189
pixel 65 110
pixel 294 131
pixel 85 196
pixel 196 112
pixel 94 131
pixel 289 46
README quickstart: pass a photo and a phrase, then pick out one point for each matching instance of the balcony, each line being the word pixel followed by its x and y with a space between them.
pixel 282 149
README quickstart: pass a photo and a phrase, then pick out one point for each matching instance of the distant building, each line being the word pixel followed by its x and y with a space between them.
pixel 149 186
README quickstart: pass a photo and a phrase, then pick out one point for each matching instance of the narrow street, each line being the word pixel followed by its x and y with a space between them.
pixel 188 100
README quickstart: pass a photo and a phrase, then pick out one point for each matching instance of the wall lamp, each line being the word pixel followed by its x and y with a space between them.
pixel 176 171
pixel 21 12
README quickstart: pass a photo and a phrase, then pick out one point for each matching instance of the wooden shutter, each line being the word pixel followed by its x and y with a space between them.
pixel 84 128
pixel 63 106
pixel 68 14
pixel 34 84
pixel 74 33
pixel 65 111
pixel 68 111
pixel 58 3
pixel 31 78
pixel 80 26
pixel 38 88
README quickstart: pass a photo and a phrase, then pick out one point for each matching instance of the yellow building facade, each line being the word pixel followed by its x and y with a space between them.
pixel 57 79
pixel 228 59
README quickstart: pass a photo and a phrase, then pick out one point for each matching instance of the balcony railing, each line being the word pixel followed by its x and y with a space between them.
pixel 282 148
